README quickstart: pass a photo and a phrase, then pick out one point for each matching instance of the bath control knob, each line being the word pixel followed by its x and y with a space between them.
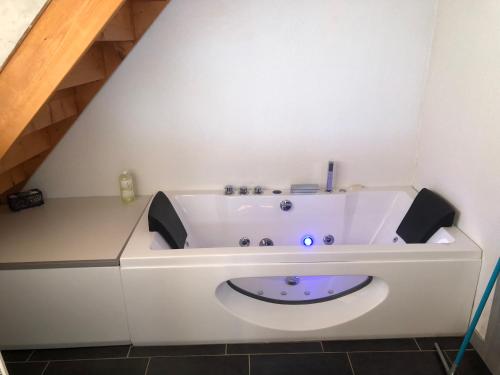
pixel 244 241
pixel 228 189
pixel 243 190
pixel 258 190
pixel 286 205
pixel 292 280
pixel 328 239
pixel 266 242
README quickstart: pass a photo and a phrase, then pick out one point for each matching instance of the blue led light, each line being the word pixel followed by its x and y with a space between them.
pixel 307 241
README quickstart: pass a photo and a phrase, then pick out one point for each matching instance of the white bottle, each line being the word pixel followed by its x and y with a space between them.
pixel 126 187
pixel 3 369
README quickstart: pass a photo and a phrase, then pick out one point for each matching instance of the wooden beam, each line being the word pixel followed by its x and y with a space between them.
pixel 63 105
pixel 120 27
pixel 114 53
pixel 42 118
pixel 85 93
pixel 144 13
pixel 90 68
pixel 26 148
pixel 6 182
pixel 60 106
pixel 57 130
pixel 54 45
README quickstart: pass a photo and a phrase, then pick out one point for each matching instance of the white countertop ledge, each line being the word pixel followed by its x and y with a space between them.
pixel 68 232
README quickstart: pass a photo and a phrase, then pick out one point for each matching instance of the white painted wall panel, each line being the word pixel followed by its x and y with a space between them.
pixel 459 153
pixel 256 92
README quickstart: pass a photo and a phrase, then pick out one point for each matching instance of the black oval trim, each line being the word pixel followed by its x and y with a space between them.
pixel 301 302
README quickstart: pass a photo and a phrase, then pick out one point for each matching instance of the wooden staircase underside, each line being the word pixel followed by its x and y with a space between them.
pixel 70 52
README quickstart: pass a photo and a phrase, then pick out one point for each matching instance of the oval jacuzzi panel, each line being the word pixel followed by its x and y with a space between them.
pixel 299 290
pixel 309 302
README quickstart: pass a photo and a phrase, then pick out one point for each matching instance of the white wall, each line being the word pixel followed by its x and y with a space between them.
pixel 15 18
pixel 256 92
pixel 459 153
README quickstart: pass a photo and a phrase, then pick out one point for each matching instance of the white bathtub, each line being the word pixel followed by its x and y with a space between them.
pixel 368 284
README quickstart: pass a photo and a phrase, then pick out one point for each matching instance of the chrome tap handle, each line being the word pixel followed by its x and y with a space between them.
pixel 228 190
pixel 258 190
pixel 243 190
pixel 286 205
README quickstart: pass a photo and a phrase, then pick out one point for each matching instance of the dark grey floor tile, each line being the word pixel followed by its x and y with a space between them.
pixel 216 365
pixel 396 363
pixel 284 347
pixel 80 353
pixel 133 366
pixel 446 343
pixel 369 345
pixel 173 350
pixel 16 355
pixel 300 364
pixel 26 368
pixel 471 364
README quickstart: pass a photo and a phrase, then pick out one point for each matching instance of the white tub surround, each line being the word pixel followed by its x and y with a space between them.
pixel 60 283
pixel 182 296
pixel 62 307
pixel 80 232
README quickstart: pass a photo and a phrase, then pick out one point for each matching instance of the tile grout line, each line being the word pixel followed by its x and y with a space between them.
pixel 447 356
pixel 265 353
pixel 229 354
pixel 386 351
pixel 30 355
pixel 225 350
pixel 350 363
pixel 147 366
pixel 45 368
pixel 416 342
pixel 79 359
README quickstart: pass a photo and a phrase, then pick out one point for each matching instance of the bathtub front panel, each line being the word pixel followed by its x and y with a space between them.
pixel 168 305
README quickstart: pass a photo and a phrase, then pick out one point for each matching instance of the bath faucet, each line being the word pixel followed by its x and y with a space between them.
pixel 243 190
pixel 329 178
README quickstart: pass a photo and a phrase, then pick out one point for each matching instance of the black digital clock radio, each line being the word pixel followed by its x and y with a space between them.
pixel 25 199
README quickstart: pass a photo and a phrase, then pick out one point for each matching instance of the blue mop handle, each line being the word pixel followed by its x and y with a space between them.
pixel 477 315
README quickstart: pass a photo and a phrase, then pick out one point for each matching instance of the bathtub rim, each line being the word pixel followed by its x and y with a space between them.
pixel 137 251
